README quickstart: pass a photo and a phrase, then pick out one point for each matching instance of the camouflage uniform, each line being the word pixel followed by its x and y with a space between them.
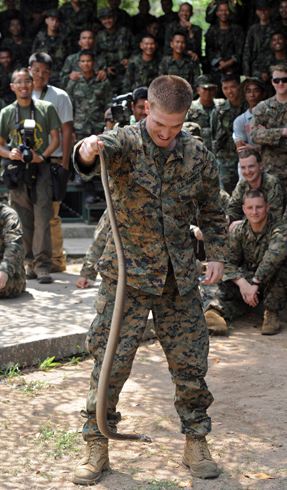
pixel 201 115
pixel 95 250
pixel 184 68
pixel 11 252
pixel 140 73
pixel 223 45
pixel 56 48
pixel 193 37
pixel 256 48
pixel 90 99
pixel 72 64
pixel 271 188
pixel 269 118
pixel 262 255
pixel 113 47
pixel 153 193
pixel 223 145
pixel 74 22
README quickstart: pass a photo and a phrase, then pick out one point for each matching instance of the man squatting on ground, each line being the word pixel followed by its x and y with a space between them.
pixel 156 172
pixel 12 272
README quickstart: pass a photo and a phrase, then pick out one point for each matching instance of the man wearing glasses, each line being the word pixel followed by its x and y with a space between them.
pixel 269 126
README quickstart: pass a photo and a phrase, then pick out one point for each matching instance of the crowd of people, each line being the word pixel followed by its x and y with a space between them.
pixel 203 178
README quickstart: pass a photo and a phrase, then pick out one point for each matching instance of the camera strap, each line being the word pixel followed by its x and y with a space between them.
pixel 17 115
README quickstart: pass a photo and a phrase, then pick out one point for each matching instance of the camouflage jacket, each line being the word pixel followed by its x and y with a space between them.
pixel 202 115
pixel 224 44
pixel 90 99
pixel 184 68
pixel 272 189
pixel 193 37
pixel 114 46
pixel 256 254
pixel 269 118
pixel 140 73
pixel 256 47
pixel 95 250
pixel 153 196
pixel 56 48
pixel 72 64
pixel 11 243
pixel 221 131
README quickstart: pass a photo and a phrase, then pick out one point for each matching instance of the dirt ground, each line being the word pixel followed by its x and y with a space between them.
pixel 40 422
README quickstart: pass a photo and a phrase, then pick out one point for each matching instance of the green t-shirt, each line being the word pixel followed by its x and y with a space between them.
pixel 46 119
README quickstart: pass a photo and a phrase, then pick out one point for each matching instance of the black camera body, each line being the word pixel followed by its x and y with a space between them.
pixel 27 133
pixel 122 108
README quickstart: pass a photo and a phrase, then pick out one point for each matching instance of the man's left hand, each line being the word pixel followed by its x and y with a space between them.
pixel 214 273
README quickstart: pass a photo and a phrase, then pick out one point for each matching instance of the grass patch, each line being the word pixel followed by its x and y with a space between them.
pixel 60 442
pixel 49 363
pixel 33 387
pixel 11 371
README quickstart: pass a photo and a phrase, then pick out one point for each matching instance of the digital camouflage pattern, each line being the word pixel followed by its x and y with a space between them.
pixel 90 99
pixel 261 255
pixel 155 193
pixel 256 48
pixel 272 189
pixel 184 68
pixel 113 47
pixel 11 252
pixel 140 73
pixel 223 145
pixel 182 332
pixel 74 22
pixel 193 37
pixel 202 116
pixel 95 250
pixel 56 48
pixel 269 118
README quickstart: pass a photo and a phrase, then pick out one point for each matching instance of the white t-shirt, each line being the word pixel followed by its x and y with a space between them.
pixel 63 105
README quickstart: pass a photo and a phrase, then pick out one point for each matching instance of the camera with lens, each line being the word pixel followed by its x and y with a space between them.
pixel 122 108
pixel 27 133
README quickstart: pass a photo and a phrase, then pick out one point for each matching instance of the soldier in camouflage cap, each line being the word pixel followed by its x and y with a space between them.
pixel 201 108
pixel 256 269
pixel 12 272
pixel 269 126
pixel 156 172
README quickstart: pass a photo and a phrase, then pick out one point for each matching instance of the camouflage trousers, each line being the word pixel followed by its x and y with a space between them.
pixel 183 335
pixel 229 301
pixel 14 287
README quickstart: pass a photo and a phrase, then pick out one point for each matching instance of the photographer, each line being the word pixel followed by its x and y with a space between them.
pixel 27 125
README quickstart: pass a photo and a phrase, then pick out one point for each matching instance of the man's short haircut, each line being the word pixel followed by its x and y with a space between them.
pixel 21 70
pixel 146 35
pixel 139 93
pixel 41 57
pixel 171 93
pixel 253 193
pixel 282 67
pixel 278 32
pixel 87 52
pixel 230 77
pixel 6 50
pixel 179 33
pixel 248 152
pixel 86 30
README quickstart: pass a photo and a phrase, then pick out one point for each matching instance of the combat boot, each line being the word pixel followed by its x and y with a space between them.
pixel 198 459
pixel 215 322
pixel 271 323
pixel 95 461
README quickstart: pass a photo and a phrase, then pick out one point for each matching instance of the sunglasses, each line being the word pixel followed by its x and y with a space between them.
pixel 278 80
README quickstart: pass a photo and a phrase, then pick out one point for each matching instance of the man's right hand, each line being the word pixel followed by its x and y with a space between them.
pixel 89 149
pixel 15 154
pixel 249 292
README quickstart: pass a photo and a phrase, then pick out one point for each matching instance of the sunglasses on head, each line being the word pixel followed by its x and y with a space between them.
pixel 278 80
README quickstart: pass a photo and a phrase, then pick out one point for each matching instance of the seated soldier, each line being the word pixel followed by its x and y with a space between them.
pixel 256 268
pixel 179 63
pixel 12 272
pixel 254 177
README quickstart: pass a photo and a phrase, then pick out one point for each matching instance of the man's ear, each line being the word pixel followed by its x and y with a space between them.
pixel 147 107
